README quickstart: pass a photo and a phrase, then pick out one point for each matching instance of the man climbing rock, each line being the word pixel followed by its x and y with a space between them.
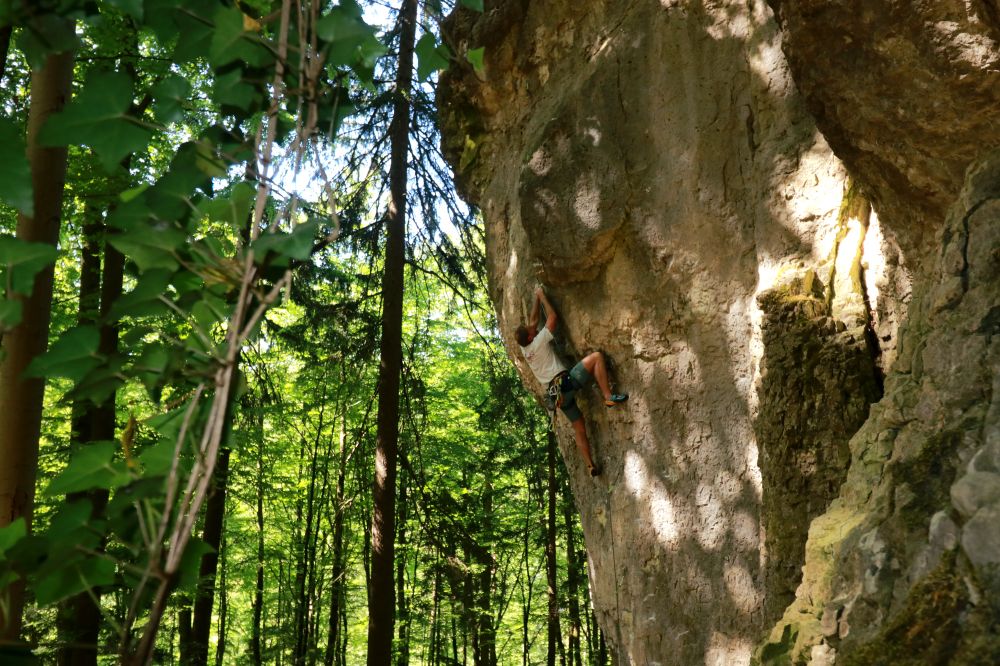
pixel 563 384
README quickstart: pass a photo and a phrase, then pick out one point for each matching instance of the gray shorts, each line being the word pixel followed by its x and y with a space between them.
pixel 577 380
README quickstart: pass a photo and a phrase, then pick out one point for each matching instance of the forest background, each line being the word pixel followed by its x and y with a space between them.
pixel 254 407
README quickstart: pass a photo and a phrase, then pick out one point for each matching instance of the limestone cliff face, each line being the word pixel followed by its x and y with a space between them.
pixel 655 166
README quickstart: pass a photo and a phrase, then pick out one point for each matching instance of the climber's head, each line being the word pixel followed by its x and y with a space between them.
pixel 523 335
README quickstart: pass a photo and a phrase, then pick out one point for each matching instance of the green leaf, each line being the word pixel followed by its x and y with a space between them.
pixel 187 281
pixel 11 534
pixel 10 313
pixel 431 57
pixel 191 563
pixel 475 5
pixel 46 33
pixel 194 36
pixel 99 384
pixel 233 93
pixel 151 366
pixel 130 194
pixel 296 245
pixel 15 172
pixel 24 260
pixel 70 517
pixel 233 208
pixel 193 167
pixel 169 423
pixel 475 56
pixel 72 356
pixel 145 298
pixel 150 247
pixel 350 40
pixel 99 118
pixel 231 43
pixel 171 94
pixel 131 7
pixel 73 578
pixel 156 460
pixel 91 467
pixel 209 311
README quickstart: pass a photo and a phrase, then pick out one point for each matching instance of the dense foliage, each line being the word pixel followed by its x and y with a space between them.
pixel 210 292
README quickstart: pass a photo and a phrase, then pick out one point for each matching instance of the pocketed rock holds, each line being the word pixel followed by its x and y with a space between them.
pixel 974 491
pixel 654 164
pixel 888 557
pixel 981 537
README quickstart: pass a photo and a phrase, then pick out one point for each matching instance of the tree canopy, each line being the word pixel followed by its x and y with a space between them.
pixel 195 202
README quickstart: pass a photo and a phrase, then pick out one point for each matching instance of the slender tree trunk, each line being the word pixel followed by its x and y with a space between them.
pixel 299 584
pixel 402 612
pixel 435 642
pixel 381 600
pixel 337 582
pixel 215 514
pixel 592 628
pixel 258 597
pixel 184 631
pixel 550 555
pixel 5 33
pixel 78 618
pixel 220 647
pixel 526 595
pixel 281 608
pixel 305 575
pixel 484 612
pixel 20 397
pixel 99 290
pixel 572 582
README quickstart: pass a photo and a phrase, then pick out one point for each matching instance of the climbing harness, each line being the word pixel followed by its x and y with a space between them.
pixel 554 398
pixel 555 390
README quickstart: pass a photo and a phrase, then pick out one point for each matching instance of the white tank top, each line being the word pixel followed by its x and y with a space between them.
pixel 541 357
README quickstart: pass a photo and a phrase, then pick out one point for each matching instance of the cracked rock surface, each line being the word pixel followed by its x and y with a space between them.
pixel 653 163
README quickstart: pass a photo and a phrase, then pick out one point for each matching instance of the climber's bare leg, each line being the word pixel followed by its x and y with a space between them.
pixel 595 364
pixel 582 443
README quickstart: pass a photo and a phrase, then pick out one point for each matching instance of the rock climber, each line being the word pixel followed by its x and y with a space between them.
pixel 563 384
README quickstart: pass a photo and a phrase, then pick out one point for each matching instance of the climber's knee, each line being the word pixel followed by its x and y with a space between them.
pixel 591 360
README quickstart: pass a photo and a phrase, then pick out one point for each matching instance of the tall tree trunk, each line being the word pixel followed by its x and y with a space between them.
pixel 215 516
pixel 572 580
pixel 99 290
pixel 281 613
pixel 592 628
pixel 382 599
pixel 220 647
pixel 435 642
pixel 337 582
pixel 550 555
pixel 184 631
pixel 526 585
pixel 484 613
pixel 468 605
pixel 258 598
pixel 20 397
pixel 402 613
pixel 5 33
pixel 299 550
pixel 78 618
pixel 305 576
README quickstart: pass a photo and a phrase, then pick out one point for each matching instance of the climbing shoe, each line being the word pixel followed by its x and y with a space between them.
pixel 616 399
pixel 595 471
